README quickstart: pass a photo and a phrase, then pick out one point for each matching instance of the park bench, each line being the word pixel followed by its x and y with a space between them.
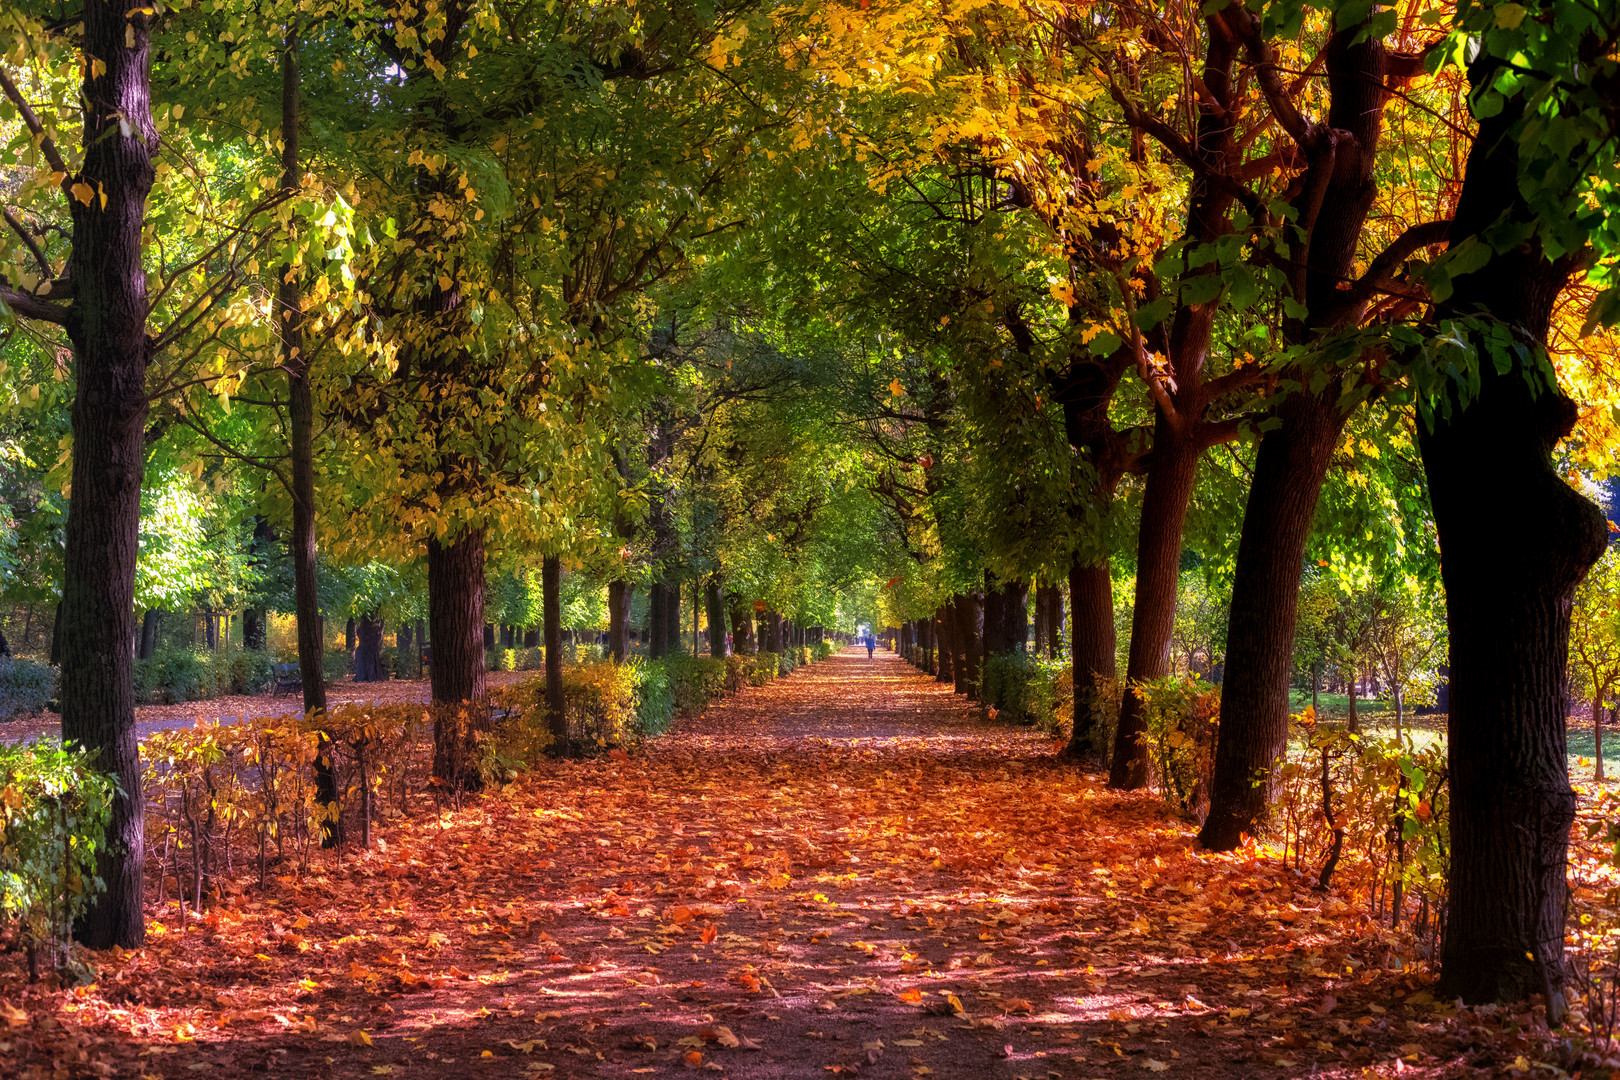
pixel 285 677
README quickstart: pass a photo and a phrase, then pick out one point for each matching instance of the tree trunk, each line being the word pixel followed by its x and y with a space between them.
pixel 455 621
pixel 742 634
pixel 944 646
pixel 1289 469
pixel 301 467
pixel 551 606
pixel 661 598
pixel 368 649
pixel 349 639
pixel 1171 473
pixel 995 617
pixel 253 636
pixel 1091 596
pixel 149 627
pixel 716 603
pixel 106 324
pixel 1293 459
pixel 402 637
pixel 620 593
pixel 1015 616
pixel 970 643
pixel 211 630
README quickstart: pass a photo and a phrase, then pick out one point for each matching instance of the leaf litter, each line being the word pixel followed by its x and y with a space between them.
pixel 845 872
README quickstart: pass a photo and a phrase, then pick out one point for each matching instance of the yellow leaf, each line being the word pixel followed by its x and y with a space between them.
pixel 896 389
pixel 83 192
pixel 359 1038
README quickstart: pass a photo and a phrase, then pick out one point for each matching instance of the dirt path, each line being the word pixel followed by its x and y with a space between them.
pixel 844 872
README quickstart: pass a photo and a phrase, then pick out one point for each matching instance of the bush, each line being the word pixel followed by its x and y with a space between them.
pixel 1182 714
pixel 600 702
pixel 218 795
pixel 499 659
pixel 739 671
pixel 171 676
pixel 695 680
pixel 1023 689
pixel 250 672
pixel 54 810
pixel 655 701
pixel 821 650
pixel 529 660
pixel 25 686
pixel 766 667
pixel 335 665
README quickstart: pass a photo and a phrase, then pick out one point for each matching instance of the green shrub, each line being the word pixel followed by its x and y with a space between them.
pixel 499 659
pixel 529 660
pixel 336 665
pixel 54 810
pixel 600 702
pixel 171 676
pixel 1023 689
pixel 250 672
pixel 1182 714
pixel 766 667
pixel 739 671
pixel 654 695
pixel 821 650
pixel 25 686
pixel 695 680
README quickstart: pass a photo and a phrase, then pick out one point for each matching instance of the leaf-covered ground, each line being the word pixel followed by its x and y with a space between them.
pixel 846 872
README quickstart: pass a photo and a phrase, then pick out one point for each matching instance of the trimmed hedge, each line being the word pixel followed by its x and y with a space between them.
pixel 25 686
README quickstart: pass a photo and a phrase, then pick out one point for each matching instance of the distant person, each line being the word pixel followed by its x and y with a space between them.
pixel 871 644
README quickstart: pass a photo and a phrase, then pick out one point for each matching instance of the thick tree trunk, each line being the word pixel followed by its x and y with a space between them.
pixel 1173 469
pixel 551 606
pixel 1091 596
pixel 1015 616
pixel 742 626
pixel 716 604
pixel 149 627
pixel 506 636
pixel 1293 458
pixel 1289 469
pixel 657 620
pixel 253 636
pixel 368 649
pixel 107 327
pixel 1514 542
pixel 995 617
pixel 456 621
pixel 944 646
pixel 970 643
pixel 349 639
pixel 402 637
pixel 620 593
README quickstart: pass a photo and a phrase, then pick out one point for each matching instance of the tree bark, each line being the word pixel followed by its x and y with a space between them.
pixel 1293 458
pixel 1515 540
pixel 455 623
pixel 106 324
pixel 620 593
pixel 944 646
pixel 716 604
pixel 1289 469
pixel 551 617
pixel 402 637
pixel 1095 668
pixel 149 626
pixel 1173 469
pixel 368 648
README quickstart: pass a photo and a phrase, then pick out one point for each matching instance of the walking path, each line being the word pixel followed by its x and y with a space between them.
pixel 845 871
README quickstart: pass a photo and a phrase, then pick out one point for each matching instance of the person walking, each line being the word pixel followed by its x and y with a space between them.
pixel 871 644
